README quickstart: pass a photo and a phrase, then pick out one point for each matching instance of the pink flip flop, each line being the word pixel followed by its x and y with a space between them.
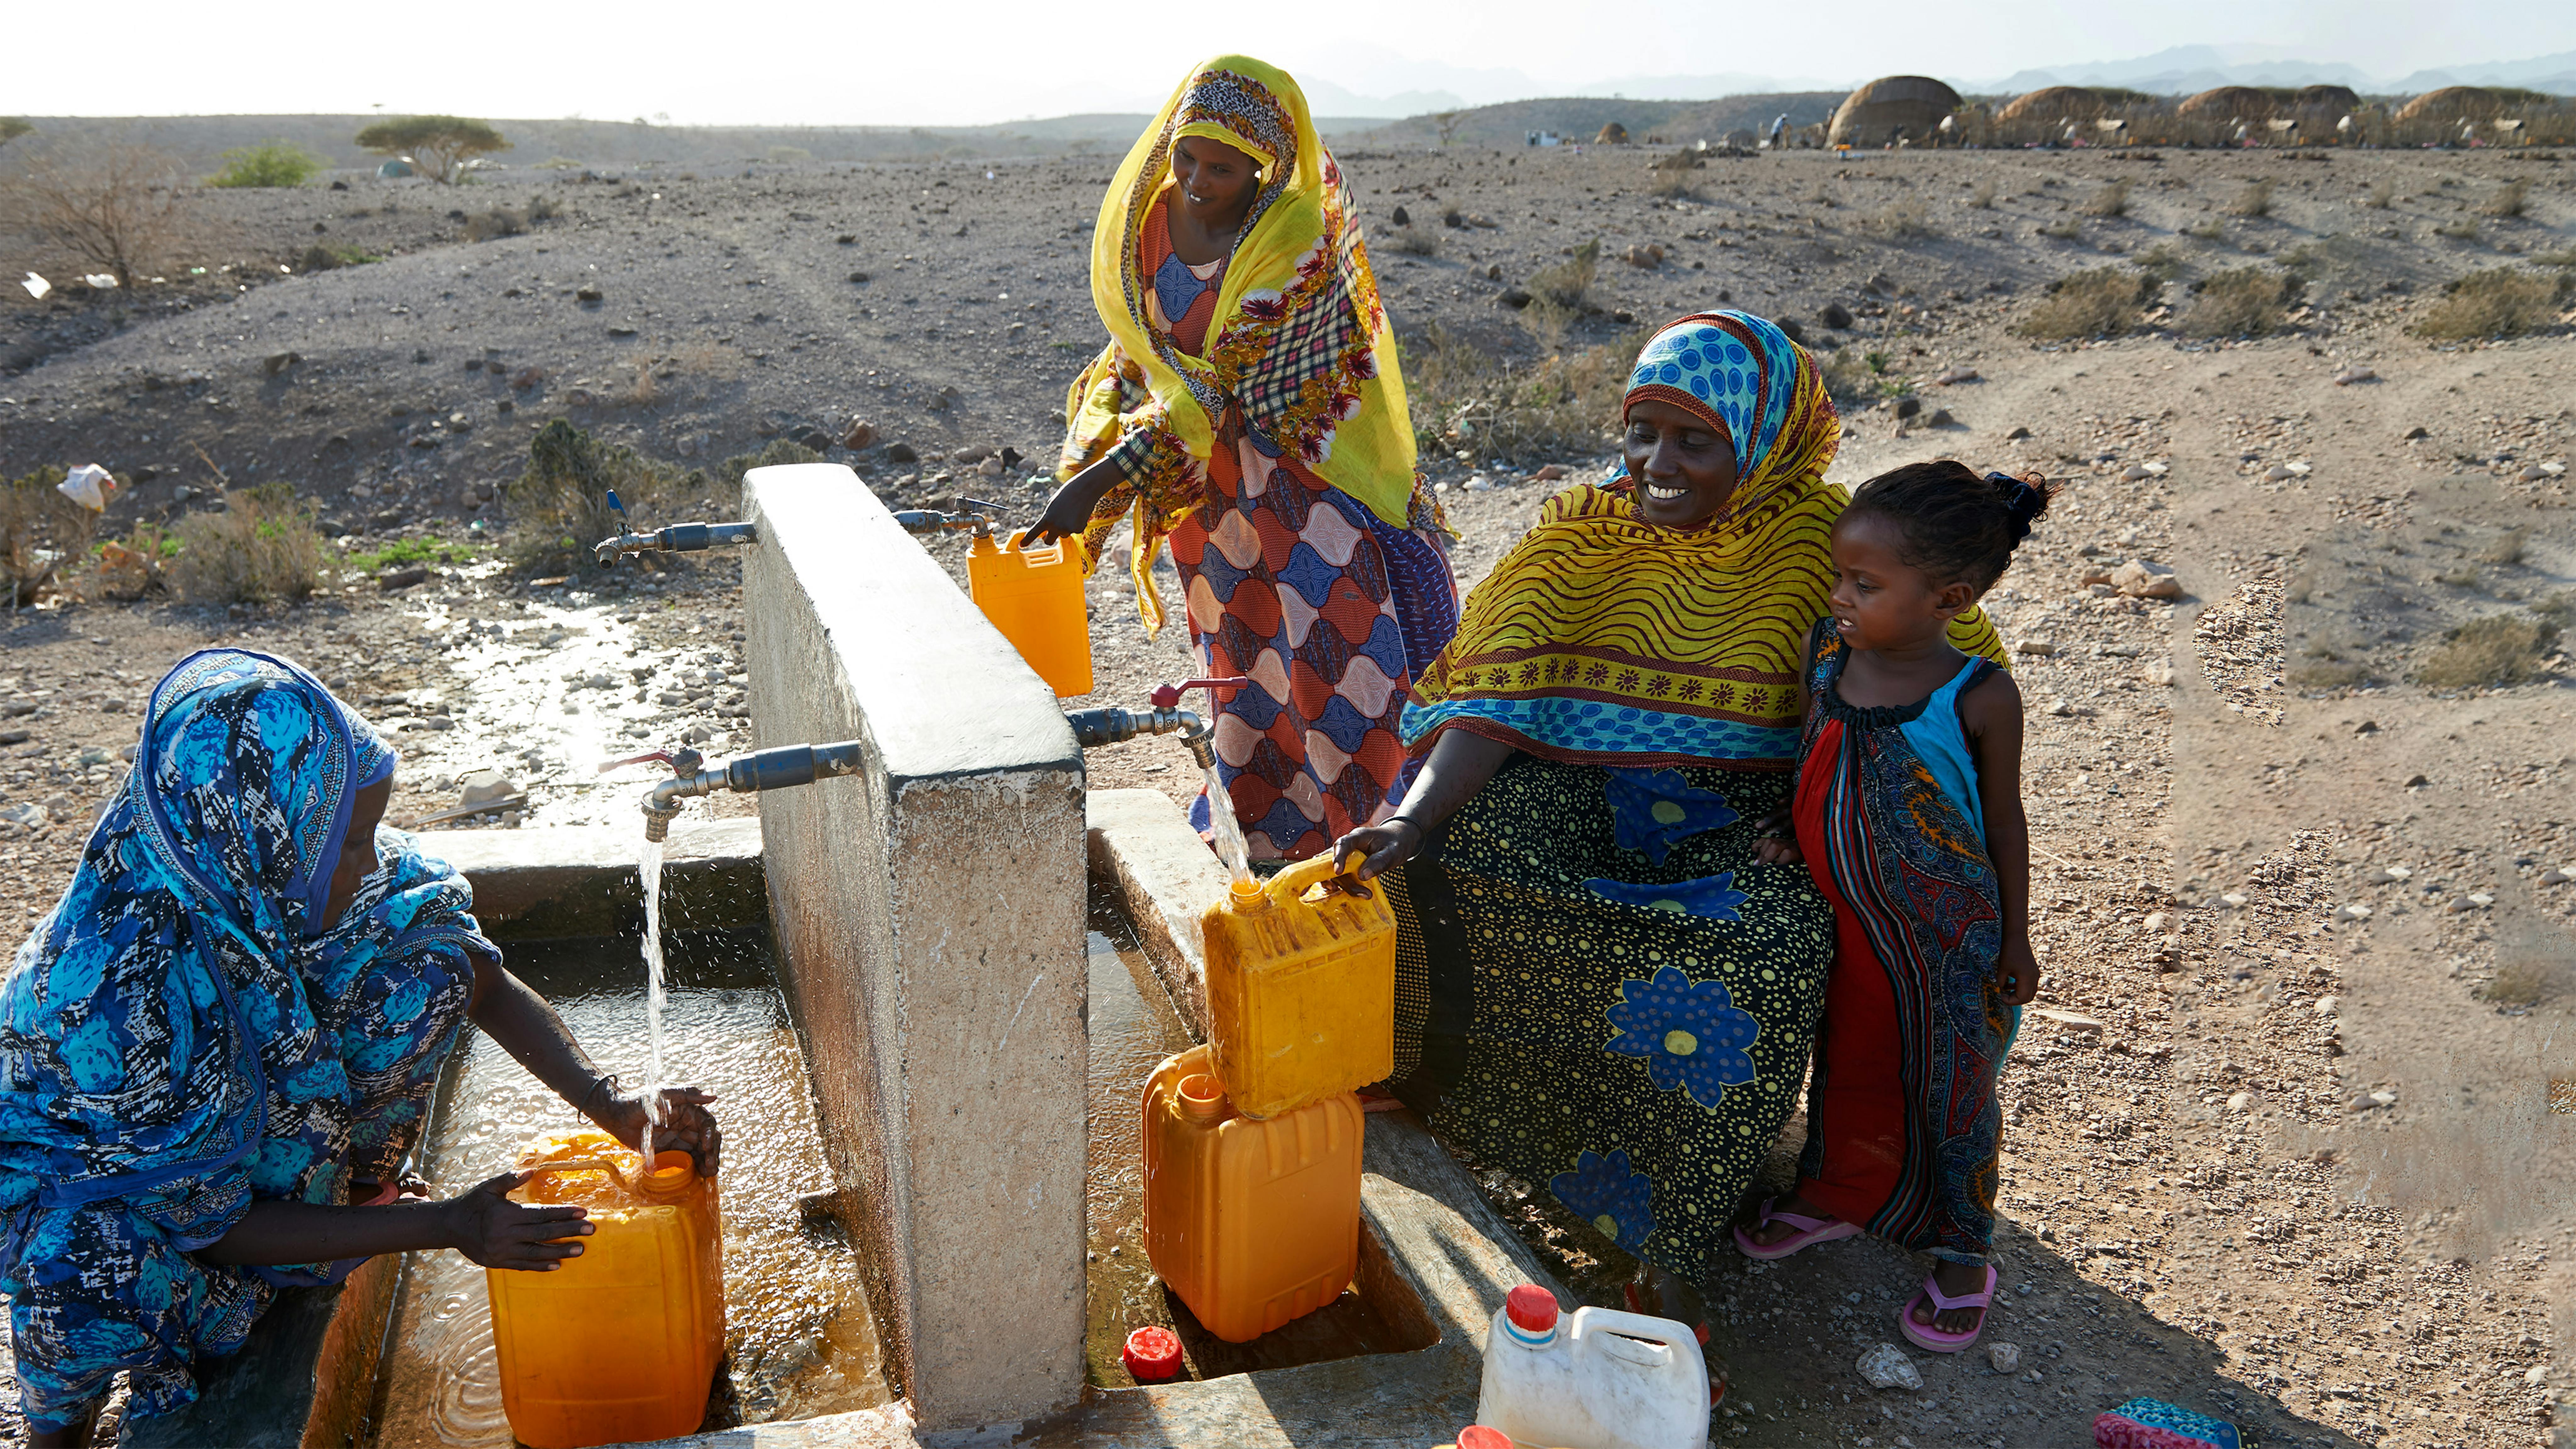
pixel 1926 1336
pixel 1811 1231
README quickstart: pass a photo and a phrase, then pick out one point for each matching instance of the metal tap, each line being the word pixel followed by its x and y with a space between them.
pixel 1096 727
pixel 765 770
pixel 979 518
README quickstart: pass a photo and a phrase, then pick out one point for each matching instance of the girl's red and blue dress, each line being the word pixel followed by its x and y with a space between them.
pixel 1903 1127
pixel 1297 586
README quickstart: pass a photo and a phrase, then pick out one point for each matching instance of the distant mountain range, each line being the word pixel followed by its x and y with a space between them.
pixel 2185 69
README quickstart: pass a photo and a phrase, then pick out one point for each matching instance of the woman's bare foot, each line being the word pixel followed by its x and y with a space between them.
pixel 1659 1294
pixel 1772 1232
pixel 1957 1280
pixel 75 1435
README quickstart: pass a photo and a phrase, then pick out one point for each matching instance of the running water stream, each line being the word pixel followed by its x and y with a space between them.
pixel 650 869
pixel 1228 831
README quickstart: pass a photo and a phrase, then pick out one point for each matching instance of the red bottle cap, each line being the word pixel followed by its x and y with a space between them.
pixel 1480 1436
pixel 1532 1309
pixel 1153 1355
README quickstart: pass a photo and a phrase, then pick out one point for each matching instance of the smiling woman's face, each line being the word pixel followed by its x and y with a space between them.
pixel 1215 181
pixel 1684 467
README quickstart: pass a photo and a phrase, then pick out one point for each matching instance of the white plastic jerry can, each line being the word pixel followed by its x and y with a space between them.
pixel 1600 1379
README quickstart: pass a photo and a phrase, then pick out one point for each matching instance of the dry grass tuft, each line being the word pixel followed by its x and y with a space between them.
pixel 262 546
pixel 1563 292
pixel 2254 200
pixel 2497 650
pixel 2382 196
pixel 1465 402
pixel 2100 302
pixel 40 529
pixel 1983 198
pixel 2509 200
pixel 2526 983
pixel 560 504
pixel 1413 241
pixel 2240 302
pixel 2497 302
pixel 1900 220
pixel 2111 200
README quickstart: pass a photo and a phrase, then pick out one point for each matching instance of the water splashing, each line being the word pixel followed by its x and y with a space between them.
pixel 1227 830
pixel 650 869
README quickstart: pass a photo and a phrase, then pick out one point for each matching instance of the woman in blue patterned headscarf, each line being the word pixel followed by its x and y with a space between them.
pixel 226 1034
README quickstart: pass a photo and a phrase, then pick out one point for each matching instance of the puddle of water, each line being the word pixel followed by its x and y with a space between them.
pixel 549 694
pixel 799 1340
pixel 1133 1029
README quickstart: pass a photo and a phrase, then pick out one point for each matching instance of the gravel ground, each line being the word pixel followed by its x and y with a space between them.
pixel 2280 1141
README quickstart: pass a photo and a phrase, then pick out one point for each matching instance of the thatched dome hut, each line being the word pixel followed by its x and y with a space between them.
pixel 2452 104
pixel 1873 114
pixel 2339 100
pixel 2055 104
pixel 2243 103
pixel 1612 134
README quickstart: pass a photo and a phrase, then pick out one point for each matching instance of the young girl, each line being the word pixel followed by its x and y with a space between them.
pixel 1908 813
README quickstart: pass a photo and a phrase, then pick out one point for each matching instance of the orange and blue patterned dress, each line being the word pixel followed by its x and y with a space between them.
pixel 1297 586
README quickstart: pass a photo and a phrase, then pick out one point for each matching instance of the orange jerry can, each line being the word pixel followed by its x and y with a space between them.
pixel 1254 1223
pixel 1300 989
pixel 620 1343
pixel 1034 596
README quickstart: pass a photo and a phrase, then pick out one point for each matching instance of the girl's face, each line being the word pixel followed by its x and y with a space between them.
pixel 1879 600
pixel 1215 180
pixel 358 850
pixel 1685 469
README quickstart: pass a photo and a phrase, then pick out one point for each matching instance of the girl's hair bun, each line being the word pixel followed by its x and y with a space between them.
pixel 2026 499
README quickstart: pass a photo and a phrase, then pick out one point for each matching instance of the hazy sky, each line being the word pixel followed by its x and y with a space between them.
pixel 968 61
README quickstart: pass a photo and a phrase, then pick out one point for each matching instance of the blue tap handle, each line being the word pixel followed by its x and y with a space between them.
pixel 616 505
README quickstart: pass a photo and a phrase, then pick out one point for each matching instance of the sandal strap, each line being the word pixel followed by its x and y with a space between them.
pixel 1984 1298
pixel 1799 1221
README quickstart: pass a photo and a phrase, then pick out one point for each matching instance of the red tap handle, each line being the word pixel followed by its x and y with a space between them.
pixel 1168 695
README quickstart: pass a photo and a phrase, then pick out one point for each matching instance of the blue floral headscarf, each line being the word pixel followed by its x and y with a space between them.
pixel 186 1032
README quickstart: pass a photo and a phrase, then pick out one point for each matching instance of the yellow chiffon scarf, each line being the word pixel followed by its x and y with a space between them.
pixel 1299 340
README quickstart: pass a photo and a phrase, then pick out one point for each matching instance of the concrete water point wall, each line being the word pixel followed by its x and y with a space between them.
pixel 929 920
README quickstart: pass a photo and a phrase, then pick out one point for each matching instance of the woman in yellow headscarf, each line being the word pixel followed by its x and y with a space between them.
pixel 1249 408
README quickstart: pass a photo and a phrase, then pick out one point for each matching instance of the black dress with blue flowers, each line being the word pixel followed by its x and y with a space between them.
pixel 1600 989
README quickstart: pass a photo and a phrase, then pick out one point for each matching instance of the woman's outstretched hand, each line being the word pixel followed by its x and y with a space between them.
pixel 495 1232
pixel 687 1126
pixel 1381 848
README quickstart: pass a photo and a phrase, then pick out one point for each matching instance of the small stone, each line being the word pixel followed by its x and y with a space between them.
pixel 2357 911
pixel 1956 376
pixel 2017 434
pixel 2460 904
pixel 2383 1098
pixel 901 453
pixel 2135 473
pixel 483 787
pixel 2351 375
pixel 2557 876
pixel 1401 217
pixel 1887 1367
pixel 2235 898
pixel 1907 407
pixel 404 578
pixel 2416 432
pixel 859 434
pixel 2329 1004
pixel 1553 472
pixel 1940 419
pixel 1836 316
pixel 2071 1020
pixel 2536 1375
pixel 2004 1357
pixel 2039 648
pixel 2278 473
pixel 2141 578
pixel 588 294
pixel 2241 1103
pixel 14 737
pixel 2156 920
pixel 277 362
pixel 527 377
pixel 2059 708
pixel 2417 782
pixel 1512 297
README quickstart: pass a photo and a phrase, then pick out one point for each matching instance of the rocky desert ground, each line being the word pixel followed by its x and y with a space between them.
pixel 2293 1132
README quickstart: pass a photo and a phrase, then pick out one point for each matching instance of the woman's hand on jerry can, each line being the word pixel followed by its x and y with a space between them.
pixel 495 1232
pixel 687 1126
pixel 1066 515
pixel 1381 848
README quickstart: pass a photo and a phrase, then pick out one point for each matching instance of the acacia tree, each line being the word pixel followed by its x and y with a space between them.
pixel 438 145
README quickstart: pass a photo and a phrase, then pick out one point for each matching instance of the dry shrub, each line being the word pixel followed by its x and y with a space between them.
pixel 560 504
pixel 707 359
pixel 2240 302
pixel 1562 292
pixel 2499 649
pixel 118 206
pixel 262 546
pixel 1464 401
pixel 779 454
pixel 1672 175
pixel 2331 672
pixel 39 529
pixel 2111 200
pixel 1900 220
pixel 2526 983
pixel 2510 200
pixel 2497 302
pixel 132 566
pixel 2382 196
pixel 1983 198
pixel 498 222
pixel 2100 302
pixel 1413 241
pixel 2254 200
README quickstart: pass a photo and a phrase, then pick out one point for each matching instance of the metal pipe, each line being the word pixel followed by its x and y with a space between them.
pixel 765 770
pixel 1093 728
pixel 678 538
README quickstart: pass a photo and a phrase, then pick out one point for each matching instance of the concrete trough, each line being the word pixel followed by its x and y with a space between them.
pixel 928 915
